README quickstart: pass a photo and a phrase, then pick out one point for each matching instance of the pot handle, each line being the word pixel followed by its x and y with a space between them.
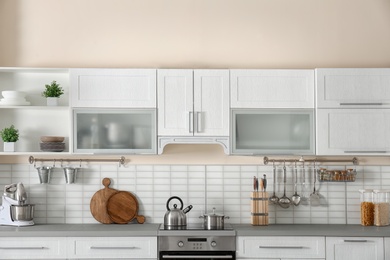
pixel 174 197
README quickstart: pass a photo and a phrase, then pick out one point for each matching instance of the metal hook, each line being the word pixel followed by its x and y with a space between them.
pixel 80 163
pixel 54 163
pixel 61 162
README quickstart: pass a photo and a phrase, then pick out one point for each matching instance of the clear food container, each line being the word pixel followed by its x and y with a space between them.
pixel 381 207
pixel 367 207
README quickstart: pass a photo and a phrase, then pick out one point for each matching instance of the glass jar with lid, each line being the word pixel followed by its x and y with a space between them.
pixel 381 207
pixel 367 207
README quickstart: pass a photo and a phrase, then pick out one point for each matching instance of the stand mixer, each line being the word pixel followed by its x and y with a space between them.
pixel 14 210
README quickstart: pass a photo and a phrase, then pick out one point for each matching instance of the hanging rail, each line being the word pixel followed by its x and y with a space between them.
pixel 32 160
pixel 354 160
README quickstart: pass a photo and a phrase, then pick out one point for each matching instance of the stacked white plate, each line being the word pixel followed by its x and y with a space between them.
pixel 14 98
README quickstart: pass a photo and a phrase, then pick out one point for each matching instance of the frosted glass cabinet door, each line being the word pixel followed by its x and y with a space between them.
pixel 277 131
pixel 114 131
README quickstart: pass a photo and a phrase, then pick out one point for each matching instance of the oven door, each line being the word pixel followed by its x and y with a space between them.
pixel 189 255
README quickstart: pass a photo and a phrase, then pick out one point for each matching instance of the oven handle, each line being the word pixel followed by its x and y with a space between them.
pixel 197 256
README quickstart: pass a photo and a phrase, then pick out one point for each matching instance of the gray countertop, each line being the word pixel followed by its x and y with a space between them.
pixel 128 230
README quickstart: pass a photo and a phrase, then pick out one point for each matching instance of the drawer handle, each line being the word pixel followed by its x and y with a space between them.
pixel 361 104
pixel 114 247
pixel 283 247
pixel 197 256
pixel 23 247
pixel 365 151
pixel 356 240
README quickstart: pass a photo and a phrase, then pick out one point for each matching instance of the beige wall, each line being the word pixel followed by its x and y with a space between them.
pixel 195 33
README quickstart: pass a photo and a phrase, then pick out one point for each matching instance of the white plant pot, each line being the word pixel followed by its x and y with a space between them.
pixel 52 101
pixel 9 146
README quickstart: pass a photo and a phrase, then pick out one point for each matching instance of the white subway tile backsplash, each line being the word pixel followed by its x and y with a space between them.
pixel 225 187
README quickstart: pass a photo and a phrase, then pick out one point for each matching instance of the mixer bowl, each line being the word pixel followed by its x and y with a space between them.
pixel 22 212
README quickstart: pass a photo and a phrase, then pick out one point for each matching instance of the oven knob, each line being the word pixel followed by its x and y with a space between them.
pixel 180 243
pixel 213 243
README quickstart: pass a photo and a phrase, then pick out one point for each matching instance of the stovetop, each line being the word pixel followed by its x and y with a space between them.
pixel 196 230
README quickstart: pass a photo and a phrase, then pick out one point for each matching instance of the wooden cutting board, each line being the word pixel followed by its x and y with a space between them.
pixel 122 207
pixel 99 200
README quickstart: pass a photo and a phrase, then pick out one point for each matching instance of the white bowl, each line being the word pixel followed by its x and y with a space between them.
pixel 13 94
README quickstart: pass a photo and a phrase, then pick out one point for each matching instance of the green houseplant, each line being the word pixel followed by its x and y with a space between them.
pixel 52 92
pixel 9 135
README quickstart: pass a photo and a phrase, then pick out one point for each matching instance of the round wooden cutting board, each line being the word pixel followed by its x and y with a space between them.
pixel 99 200
pixel 122 207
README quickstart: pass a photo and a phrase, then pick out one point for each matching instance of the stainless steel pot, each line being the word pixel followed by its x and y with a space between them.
pixel 175 218
pixel 213 221
pixel 22 212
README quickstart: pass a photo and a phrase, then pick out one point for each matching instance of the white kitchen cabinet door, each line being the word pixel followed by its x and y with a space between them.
pixel 175 104
pixel 272 88
pixel 353 131
pixel 280 247
pixel 193 103
pixel 356 248
pixel 387 247
pixel 346 88
pixel 211 102
pixel 127 88
pixel 114 248
pixel 33 248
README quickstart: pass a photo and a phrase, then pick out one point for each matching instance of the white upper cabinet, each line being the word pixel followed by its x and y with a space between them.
pixel 193 102
pixel 272 88
pixel 346 88
pixel 353 131
pixel 127 88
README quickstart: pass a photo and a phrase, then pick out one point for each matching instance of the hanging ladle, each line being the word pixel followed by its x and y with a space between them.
pixel 296 199
pixel 274 199
pixel 284 201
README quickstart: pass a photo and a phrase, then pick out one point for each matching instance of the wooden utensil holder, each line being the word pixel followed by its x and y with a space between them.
pixel 259 208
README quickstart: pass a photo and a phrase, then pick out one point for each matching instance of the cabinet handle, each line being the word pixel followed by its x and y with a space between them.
pixel 114 247
pixel 191 122
pixel 197 256
pixel 23 247
pixel 365 151
pixel 356 240
pixel 283 247
pixel 361 104
pixel 199 122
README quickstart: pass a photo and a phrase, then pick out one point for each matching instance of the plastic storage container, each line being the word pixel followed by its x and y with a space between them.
pixel 367 207
pixel 381 207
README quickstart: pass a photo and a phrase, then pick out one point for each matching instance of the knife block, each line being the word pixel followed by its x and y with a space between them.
pixel 259 208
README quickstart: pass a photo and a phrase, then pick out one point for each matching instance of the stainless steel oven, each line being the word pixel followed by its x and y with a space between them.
pixel 197 243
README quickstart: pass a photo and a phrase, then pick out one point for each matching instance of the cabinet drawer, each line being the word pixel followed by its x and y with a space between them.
pixel 115 247
pixel 357 248
pixel 281 247
pixel 33 248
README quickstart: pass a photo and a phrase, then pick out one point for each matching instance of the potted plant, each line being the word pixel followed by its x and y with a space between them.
pixel 52 93
pixel 9 135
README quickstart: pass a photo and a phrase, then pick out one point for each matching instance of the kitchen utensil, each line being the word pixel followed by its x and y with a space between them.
pixel 213 220
pixel 22 212
pixel 122 207
pixel 314 197
pixel 305 187
pixel 284 201
pixel 274 199
pixel 296 199
pixel 175 218
pixel 44 173
pixel 70 174
pixel 98 204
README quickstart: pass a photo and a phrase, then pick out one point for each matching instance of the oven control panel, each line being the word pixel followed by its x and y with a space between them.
pixel 196 243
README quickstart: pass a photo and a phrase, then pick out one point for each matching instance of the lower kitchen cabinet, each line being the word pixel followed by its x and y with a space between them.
pixel 280 247
pixel 33 248
pixel 356 248
pixel 113 248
